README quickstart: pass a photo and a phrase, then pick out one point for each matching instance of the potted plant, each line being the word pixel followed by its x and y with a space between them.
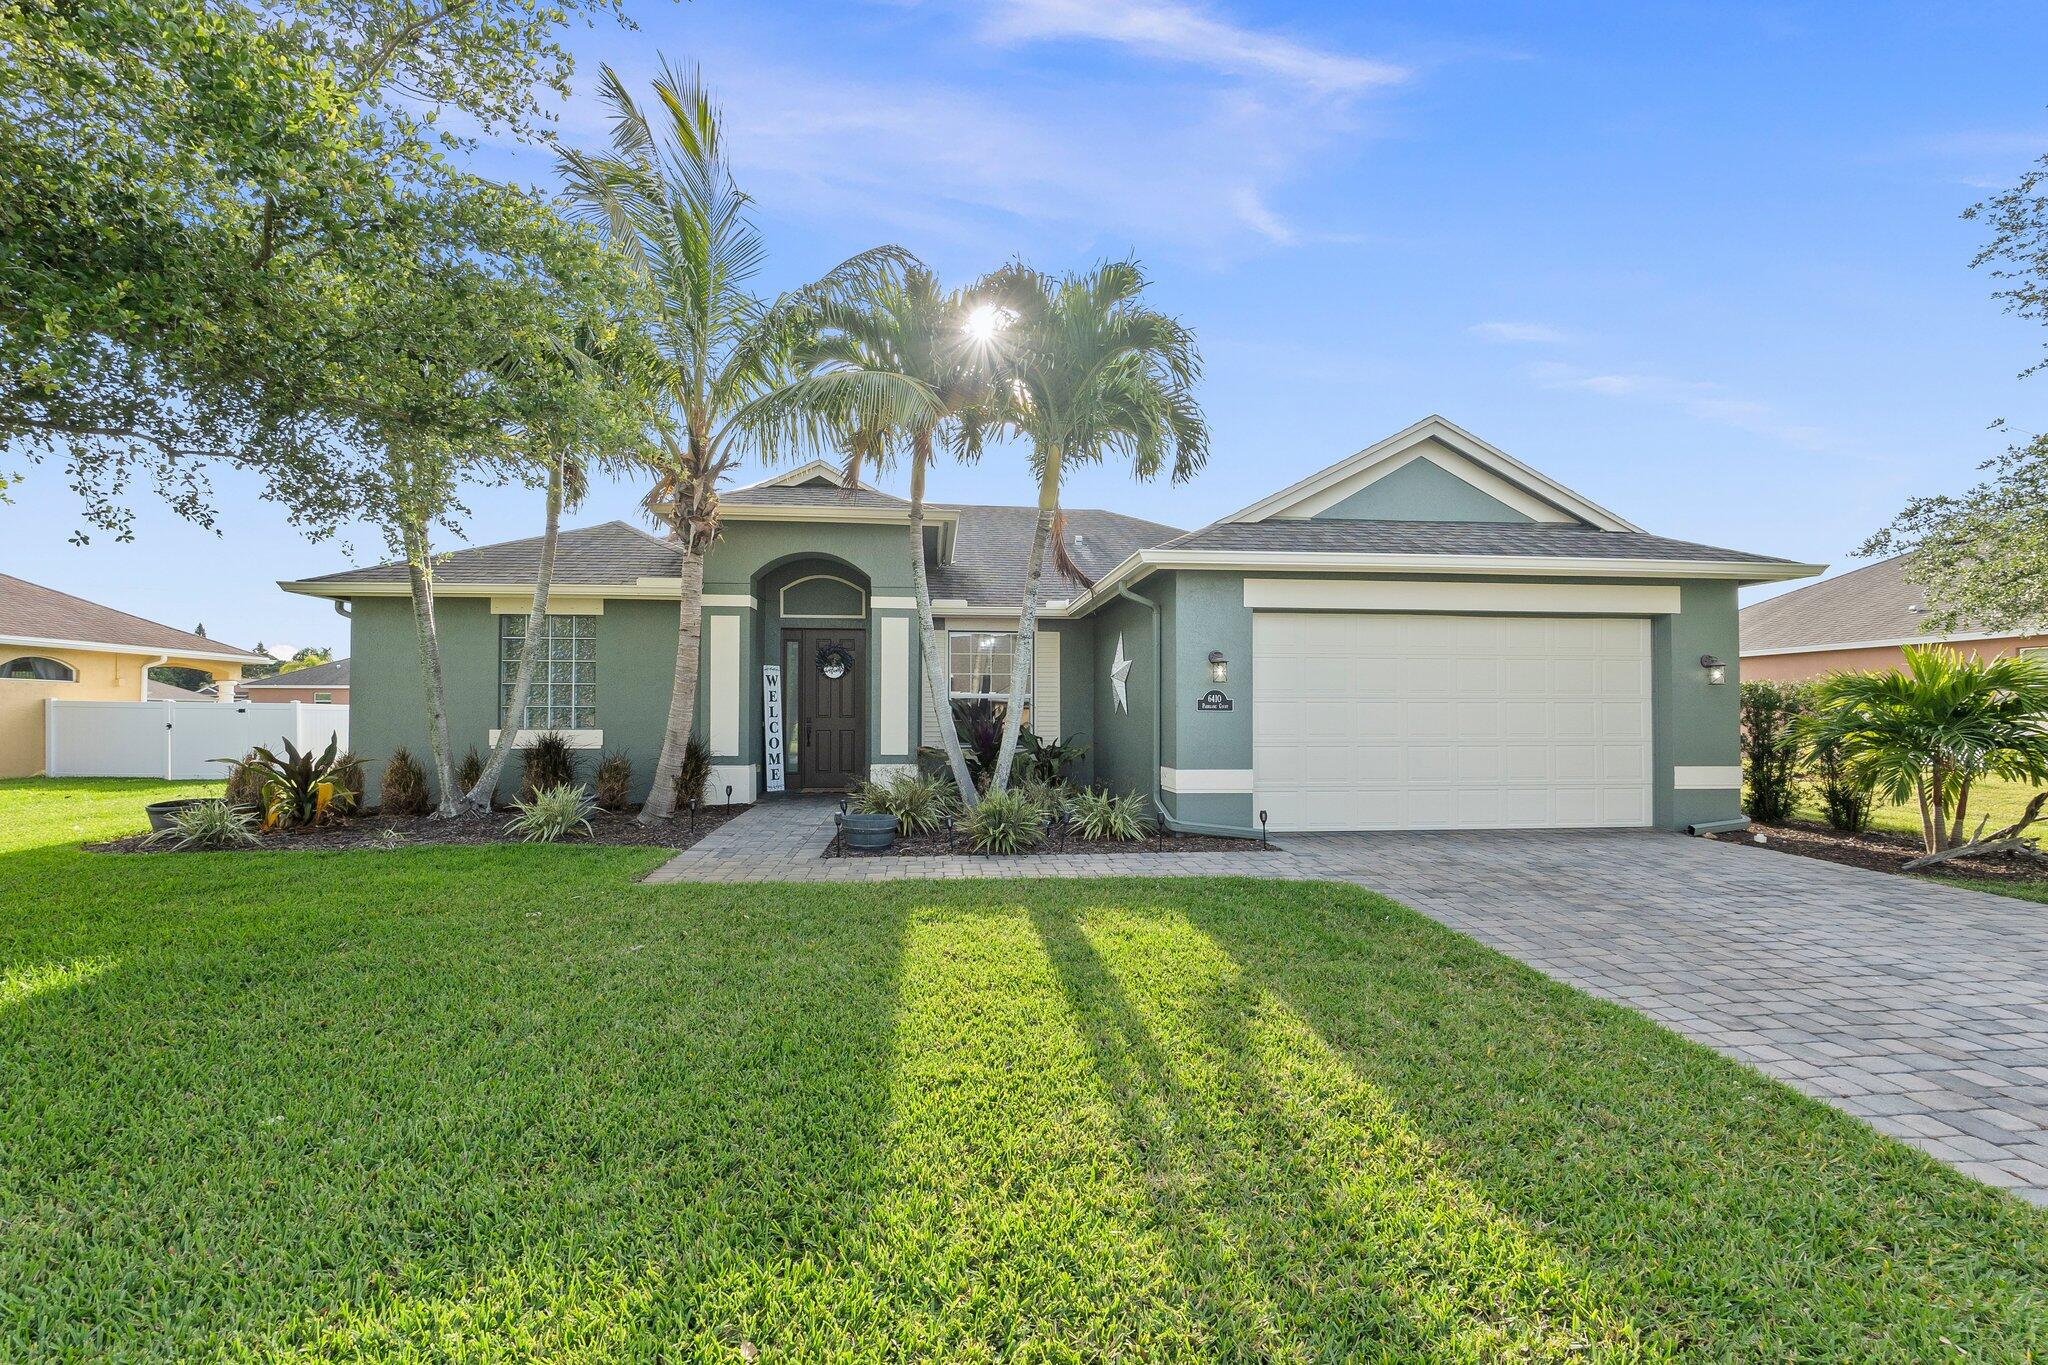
pixel 868 825
pixel 163 815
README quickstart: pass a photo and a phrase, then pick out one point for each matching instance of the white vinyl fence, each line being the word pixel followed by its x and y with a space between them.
pixel 176 739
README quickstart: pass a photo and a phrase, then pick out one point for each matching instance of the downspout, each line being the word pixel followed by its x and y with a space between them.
pixel 142 684
pixel 1158 731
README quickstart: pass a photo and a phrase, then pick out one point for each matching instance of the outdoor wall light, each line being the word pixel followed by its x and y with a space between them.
pixel 1219 667
pixel 1717 672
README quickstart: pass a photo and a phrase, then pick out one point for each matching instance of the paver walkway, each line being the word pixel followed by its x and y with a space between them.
pixel 1919 1007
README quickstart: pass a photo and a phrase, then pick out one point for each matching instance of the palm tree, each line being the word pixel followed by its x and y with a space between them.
pixel 1086 370
pixel 589 409
pixel 1930 729
pixel 936 341
pixel 669 201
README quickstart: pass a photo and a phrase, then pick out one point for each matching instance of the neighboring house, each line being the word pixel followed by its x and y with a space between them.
pixel 54 645
pixel 322 685
pixel 163 691
pixel 1426 635
pixel 1860 620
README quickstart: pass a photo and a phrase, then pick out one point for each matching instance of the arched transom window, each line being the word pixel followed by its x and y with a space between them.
pixel 36 668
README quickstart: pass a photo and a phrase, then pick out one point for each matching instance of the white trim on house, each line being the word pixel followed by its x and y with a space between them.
pixel 730 599
pixel 1145 562
pixel 1891 644
pixel 782 600
pixel 578 739
pixel 101 647
pixel 722 683
pixel 1706 779
pixel 893 684
pixel 1206 781
pixel 892 604
pixel 741 777
pixel 1481 453
pixel 1491 599
pixel 816 469
pixel 564 605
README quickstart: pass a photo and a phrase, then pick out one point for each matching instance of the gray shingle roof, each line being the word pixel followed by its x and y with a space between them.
pixel 333 673
pixel 163 691
pixel 614 552
pixel 1874 602
pixel 993 547
pixel 35 612
pixel 1536 540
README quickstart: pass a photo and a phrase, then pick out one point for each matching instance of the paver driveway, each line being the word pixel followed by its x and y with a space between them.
pixel 1922 1008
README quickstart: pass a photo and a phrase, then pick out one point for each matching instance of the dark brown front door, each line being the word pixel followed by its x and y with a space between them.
pixel 831 712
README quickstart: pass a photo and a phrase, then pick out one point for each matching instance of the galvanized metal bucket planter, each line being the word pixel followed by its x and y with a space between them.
pixel 868 833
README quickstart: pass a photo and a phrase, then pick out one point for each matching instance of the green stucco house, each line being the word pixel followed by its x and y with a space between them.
pixel 1426 635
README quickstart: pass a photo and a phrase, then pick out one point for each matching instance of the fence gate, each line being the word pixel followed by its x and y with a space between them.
pixel 176 739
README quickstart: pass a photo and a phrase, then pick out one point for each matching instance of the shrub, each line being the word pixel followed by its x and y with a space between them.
pixel 919 803
pixel 1049 799
pixel 1044 761
pixel 299 788
pixel 614 781
pixel 694 772
pixel 404 789
pixel 1770 749
pixel 207 824
pixel 1847 794
pixel 470 771
pixel 551 813
pixel 348 782
pixel 1102 814
pixel 547 762
pixel 245 785
pixel 1006 822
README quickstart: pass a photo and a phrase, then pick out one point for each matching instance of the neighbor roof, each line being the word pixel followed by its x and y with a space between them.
pixel 333 673
pixel 1532 539
pixel 993 550
pixel 1873 605
pixel 33 614
pixel 590 556
pixel 163 691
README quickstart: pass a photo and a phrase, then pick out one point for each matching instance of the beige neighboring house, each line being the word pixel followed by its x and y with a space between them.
pixel 1861 620
pixel 321 685
pixel 54 645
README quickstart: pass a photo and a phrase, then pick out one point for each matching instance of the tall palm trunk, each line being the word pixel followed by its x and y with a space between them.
pixel 682 700
pixel 1027 620
pixel 937 676
pixel 479 796
pixel 419 572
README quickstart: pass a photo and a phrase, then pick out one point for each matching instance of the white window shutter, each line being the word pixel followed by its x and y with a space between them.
pixel 1045 686
pixel 929 727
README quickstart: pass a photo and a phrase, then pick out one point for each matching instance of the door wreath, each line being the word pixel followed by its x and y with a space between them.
pixel 834 660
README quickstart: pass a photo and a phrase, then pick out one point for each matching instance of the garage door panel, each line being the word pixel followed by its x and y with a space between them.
pixel 1383 721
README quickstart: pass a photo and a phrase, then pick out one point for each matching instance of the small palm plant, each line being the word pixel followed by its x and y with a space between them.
pixel 1928 731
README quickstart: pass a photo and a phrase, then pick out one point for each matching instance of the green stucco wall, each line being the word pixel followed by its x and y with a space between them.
pixel 1421 490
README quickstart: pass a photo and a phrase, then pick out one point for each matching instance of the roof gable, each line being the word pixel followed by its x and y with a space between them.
pixel 1491 473
pixel 1423 489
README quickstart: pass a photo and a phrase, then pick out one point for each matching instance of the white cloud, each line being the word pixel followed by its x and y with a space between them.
pixel 1183 33
pixel 1520 333
pixel 1708 402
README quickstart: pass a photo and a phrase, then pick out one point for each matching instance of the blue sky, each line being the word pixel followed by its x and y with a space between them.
pixel 1702 263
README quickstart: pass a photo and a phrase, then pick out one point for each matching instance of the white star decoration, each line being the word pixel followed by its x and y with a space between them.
pixel 1119 671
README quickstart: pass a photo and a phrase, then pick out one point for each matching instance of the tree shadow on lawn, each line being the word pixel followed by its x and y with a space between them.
pixel 452 1098
pixel 1730 1216
pixel 1309 1218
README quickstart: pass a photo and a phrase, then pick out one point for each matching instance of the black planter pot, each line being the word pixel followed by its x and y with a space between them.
pixel 161 813
pixel 868 833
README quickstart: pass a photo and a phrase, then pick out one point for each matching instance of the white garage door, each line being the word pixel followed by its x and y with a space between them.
pixel 1450 722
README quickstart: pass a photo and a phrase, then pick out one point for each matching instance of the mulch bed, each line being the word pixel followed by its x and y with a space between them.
pixel 610 828
pixel 960 846
pixel 1882 851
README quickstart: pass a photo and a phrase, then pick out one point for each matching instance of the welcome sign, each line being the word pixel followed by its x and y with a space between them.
pixel 771 724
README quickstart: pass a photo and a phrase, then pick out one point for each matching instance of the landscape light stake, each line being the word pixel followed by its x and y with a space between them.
pixel 728 796
pixel 1262 830
pixel 695 801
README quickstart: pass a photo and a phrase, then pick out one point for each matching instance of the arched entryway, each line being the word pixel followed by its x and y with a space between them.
pixel 814 623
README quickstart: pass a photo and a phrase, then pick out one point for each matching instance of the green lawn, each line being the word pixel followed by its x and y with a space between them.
pixel 508 1104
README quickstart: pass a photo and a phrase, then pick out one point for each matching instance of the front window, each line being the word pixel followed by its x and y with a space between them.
pixel 36 668
pixel 564 692
pixel 979 662
pixel 323 699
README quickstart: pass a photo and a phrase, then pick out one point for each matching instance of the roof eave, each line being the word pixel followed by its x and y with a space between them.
pixel 228 656
pixel 1144 562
